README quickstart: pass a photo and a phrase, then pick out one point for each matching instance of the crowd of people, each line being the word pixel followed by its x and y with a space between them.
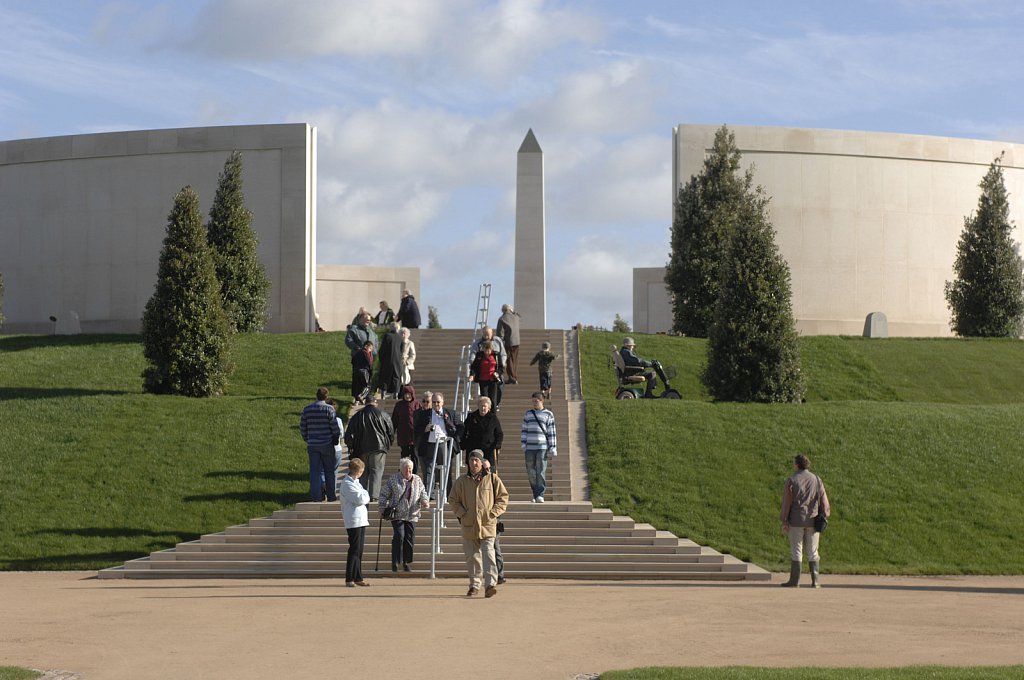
pixel 422 428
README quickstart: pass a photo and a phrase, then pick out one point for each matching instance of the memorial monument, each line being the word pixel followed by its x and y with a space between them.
pixel 530 291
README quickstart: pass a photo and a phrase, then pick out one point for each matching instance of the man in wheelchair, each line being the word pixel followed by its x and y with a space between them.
pixel 636 365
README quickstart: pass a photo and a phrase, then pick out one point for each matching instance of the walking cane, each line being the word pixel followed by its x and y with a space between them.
pixel 380 529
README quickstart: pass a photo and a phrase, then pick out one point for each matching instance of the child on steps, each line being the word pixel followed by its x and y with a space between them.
pixel 544 359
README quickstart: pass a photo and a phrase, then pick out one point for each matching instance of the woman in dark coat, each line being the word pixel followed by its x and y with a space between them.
pixel 483 431
pixel 403 417
pixel 392 365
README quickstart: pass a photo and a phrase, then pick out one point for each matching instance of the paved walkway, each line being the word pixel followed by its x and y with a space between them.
pixel 283 629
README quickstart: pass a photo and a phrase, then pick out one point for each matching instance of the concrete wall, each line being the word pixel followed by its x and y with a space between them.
pixel 867 221
pixel 343 289
pixel 83 219
pixel 652 312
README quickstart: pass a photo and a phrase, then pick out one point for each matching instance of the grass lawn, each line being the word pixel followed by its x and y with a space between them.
pixel 15 673
pixel 96 472
pixel 757 673
pixel 919 442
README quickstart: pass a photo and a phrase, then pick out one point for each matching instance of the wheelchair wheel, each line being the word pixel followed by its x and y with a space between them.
pixel 624 394
pixel 671 394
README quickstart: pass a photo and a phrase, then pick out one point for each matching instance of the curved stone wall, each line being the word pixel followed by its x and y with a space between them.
pixel 869 222
pixel 84 217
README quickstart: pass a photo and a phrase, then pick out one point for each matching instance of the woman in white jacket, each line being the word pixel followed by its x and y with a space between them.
pixel 408 357
pixel 354 499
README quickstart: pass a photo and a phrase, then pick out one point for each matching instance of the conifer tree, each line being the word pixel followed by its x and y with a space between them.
pixel 706 211
pixel 244 283
pixel 185 330
pixel 987 297
pixel 619 325
pixel 752 344
pixel 432 320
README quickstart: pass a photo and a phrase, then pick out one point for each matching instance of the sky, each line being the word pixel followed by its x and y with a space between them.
pixel 421 106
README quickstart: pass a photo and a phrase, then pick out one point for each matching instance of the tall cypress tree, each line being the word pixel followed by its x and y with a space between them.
pixel 244 283
pixel 753 353
pixel 706 211
pixel 185 330
pixel 987 297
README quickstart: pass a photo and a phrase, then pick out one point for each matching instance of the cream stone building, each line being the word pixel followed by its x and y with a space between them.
pixel 868 221
pixel 83 218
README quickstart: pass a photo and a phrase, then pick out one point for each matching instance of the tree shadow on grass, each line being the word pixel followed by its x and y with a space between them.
pixel 261 474
pixel 19 343
pixel 281 498
pixel 117 532
pixel 74 561
pixel 11 393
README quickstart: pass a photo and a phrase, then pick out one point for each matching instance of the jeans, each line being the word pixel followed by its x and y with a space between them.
pixel 480 561
pixel 354 561
pixel 536 469
pixel 545 382
pixel 402 542
pixel 498 559
pixel 323 466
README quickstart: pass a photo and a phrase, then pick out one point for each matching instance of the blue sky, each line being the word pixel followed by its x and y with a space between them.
pixel 422 104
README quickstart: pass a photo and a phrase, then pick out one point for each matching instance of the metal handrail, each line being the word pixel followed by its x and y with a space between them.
pixel 437 512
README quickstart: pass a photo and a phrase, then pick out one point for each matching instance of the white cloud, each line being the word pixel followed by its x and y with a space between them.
pixel 628 183
pixel 595 280
pixel 267 29
pixel 372 222
pixel 504 38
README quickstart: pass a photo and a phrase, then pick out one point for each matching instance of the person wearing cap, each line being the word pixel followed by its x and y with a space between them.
pixel 477 500
pixel 538 440
pixel 635 365
pixel 544 358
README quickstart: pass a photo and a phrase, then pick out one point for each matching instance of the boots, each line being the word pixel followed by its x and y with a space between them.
pixel 814 575
pixel 794 575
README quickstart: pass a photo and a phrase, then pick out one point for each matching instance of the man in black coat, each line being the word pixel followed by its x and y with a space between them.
pixel 483 431
pixel 408 311
pixel 391 364
pixel 428 425
pixel 368 436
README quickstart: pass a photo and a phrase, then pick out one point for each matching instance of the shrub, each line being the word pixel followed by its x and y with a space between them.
pixel 706 211
pixel 185 330
pixel 752 344
pixel 987 297
pixel 243 282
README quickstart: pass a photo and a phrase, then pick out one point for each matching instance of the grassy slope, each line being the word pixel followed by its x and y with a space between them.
pixel 919 442
pixel 96 472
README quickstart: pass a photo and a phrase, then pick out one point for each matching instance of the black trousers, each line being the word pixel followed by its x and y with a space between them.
pixel 402 542
pixel 354 563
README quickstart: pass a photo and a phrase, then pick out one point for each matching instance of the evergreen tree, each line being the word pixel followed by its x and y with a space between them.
pixel 619 325
pixel 432 320
pixel 752 345
pixel 987 297
pixel 244 283
pixel 185 330
pixel 706 212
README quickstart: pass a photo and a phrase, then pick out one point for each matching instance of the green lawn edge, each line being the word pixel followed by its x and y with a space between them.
pixel 818 673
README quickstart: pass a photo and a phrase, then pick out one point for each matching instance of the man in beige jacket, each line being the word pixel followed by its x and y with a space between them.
pixel 478 499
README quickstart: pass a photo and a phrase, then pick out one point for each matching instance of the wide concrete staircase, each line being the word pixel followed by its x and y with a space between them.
pixel 565 537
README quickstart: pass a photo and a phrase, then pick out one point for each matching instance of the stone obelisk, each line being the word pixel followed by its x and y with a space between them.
pixel 530 291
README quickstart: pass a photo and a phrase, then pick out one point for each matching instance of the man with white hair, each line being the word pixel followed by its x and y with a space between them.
pixel 508 330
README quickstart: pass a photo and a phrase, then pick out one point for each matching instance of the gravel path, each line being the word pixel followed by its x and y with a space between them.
pixel 247 629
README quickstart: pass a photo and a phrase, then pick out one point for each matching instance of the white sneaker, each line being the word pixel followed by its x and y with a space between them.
pixel 540 499
pixel 534 500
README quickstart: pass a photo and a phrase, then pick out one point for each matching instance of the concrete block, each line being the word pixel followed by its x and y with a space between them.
pixel 876 325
